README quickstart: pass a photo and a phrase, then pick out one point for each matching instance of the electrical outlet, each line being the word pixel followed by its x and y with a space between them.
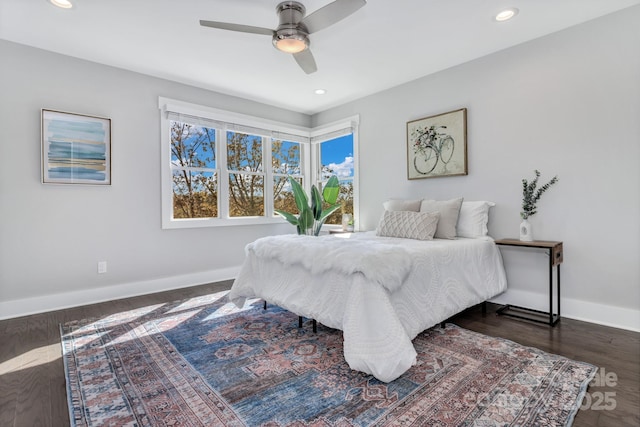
pixel 102 267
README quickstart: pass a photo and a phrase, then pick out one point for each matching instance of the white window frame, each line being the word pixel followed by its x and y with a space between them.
pixel 328 132
pixel 244 123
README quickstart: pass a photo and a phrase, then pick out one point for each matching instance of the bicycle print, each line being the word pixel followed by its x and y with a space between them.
pixel 436 145
pixel 431 147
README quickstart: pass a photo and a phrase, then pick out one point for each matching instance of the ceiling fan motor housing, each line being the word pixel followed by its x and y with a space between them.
pixel 291 35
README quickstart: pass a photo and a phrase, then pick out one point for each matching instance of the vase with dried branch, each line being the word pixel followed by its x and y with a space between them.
pixel 530 196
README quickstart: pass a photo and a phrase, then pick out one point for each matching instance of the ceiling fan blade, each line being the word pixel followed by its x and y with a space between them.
pixel 331 13
pixel 305 61
pixel 237 27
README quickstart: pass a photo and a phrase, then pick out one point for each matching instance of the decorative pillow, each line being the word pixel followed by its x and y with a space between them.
pixel 402 205
pixel 449 211
pixel 408 225
pixel 473 219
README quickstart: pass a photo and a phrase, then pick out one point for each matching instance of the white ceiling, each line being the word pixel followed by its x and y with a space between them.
pixel 384 44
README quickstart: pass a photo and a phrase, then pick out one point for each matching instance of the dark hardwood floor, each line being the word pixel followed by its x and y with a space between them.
pixel 33 393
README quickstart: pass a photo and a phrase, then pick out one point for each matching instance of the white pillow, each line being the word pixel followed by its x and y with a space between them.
pixel 473 219
pixel 449 211
pixel 402 205
pixel 408 225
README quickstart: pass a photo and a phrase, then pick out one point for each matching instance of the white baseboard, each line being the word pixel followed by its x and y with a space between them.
pixel 617 317
pixel 607 315
pixel 28 306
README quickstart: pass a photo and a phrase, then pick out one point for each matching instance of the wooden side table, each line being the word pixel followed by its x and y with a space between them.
pixel 554 250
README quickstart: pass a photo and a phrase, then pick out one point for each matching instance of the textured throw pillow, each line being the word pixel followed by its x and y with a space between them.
pixel 402 205
pixel 408 225
pixel 449 211
pixel 473 219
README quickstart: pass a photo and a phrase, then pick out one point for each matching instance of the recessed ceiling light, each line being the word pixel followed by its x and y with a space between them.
pixel 506 14
pixel 320 91
pixel 65 4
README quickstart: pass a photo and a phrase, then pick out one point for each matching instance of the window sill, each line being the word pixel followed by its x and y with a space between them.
pixel 219 222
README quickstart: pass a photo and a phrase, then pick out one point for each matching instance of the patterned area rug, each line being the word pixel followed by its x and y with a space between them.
pixel 203 362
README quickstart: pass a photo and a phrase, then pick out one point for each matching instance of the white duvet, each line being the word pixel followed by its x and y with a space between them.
pixel 380 291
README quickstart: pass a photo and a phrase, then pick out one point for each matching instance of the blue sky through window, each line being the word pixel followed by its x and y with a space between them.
pixel 198 146
pixel 337 155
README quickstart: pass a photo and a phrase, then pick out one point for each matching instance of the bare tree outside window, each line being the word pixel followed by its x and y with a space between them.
pixel 195 175
pixel 240 172
pixel 246 174
pixel 285 161
pixel 193 163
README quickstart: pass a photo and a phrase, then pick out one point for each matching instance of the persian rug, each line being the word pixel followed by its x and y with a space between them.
pixel 204 362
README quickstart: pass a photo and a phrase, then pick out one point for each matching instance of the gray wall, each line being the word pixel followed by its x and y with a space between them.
pixel 566 104
pixel 52 236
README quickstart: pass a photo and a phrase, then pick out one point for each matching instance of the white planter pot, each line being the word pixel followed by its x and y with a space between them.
pixel 525 231
pixel 347 222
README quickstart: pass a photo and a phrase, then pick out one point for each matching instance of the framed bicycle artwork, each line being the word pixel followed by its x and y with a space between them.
pixel 437 145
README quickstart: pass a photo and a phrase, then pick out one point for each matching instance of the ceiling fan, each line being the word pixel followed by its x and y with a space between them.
pixel 292 34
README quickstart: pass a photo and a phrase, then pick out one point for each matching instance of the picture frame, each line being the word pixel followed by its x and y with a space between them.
pixel 76 148
pixel 437 145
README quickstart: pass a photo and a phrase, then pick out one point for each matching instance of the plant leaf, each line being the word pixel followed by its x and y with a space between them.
pixel 300 196
pixel 328 211
pixel 316 202
pixel 286 215
pixel 331 190
pixel 531 194
pixel 305 220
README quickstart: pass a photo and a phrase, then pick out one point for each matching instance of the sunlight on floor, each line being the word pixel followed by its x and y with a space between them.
pixel 170 319
pixel 198 301
pixel 127 316
pixel 37 356
pixel 343 235
pixel 230 307
pixel 164 319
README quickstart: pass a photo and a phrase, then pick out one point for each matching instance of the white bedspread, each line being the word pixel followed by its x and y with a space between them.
pixel 380 291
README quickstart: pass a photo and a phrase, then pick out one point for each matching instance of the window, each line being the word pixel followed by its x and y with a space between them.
pixel 230 169
pixel 285 161
pixel 336 153
pixel 246 174
pixel 193 169
pixel 336 158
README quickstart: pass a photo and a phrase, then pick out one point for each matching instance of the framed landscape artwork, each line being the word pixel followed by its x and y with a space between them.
pixel 437 145
pixel 76 148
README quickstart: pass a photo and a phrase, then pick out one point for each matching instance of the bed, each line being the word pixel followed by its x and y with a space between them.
pixel 380 291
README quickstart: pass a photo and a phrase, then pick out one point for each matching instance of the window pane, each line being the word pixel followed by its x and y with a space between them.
pixel 246 195
pixel 244 152
pixel 345 199
pixel 195 194
pixel 283 195
pixel 192 146
pixel 285 157
pixel 336 157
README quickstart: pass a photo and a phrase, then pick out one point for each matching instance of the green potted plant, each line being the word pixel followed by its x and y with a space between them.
pixel 530 196
pixel 311 216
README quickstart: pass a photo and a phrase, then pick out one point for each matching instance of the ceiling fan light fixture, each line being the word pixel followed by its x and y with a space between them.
pixel 290 45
